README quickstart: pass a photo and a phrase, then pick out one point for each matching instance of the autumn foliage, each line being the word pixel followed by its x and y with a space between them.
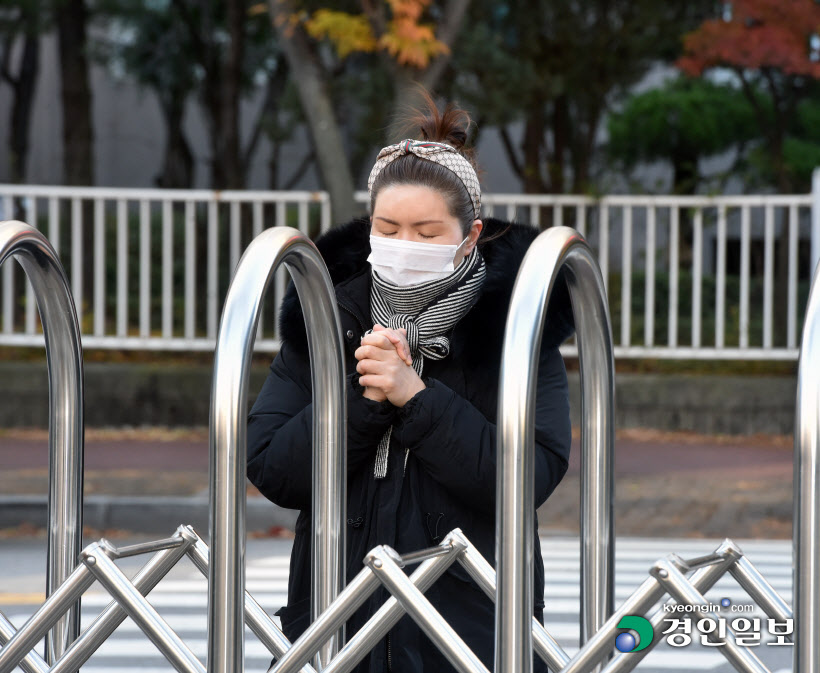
pixel 409 41
pixel 757 34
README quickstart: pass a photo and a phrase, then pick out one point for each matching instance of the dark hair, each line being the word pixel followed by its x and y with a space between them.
pixel 449 127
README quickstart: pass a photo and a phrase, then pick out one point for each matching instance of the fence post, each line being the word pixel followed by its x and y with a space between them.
pixel 815 221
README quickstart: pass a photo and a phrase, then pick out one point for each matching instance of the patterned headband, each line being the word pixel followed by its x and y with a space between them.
pixel 446 155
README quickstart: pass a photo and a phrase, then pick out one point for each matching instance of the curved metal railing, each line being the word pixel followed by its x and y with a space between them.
pixel 228 437
pixel 65 401
pixel 555 249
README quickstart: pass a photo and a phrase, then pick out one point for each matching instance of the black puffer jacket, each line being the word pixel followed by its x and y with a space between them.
pixel 449 428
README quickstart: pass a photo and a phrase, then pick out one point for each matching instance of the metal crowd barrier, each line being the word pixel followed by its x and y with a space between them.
pixel 65 402
pixel 322 647
pixel 806 536
pixel 228 426
pixel 555 249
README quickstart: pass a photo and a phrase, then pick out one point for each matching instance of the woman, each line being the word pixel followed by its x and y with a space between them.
pixel 423 288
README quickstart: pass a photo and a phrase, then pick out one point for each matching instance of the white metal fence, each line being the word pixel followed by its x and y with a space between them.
pixel 158 262
pixel 722 277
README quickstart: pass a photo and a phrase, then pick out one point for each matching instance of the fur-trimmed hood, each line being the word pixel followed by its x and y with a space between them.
pixel 345 250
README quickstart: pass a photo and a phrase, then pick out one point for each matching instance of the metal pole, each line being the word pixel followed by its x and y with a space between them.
pixel 555 248
pixel 815 220
pixel 354 594
pixel 228 437
pixel 760 591
pixel 702 580
pixel 256 618
pixel 33 662
pixel 742 658
pixel 47 615
pixel 102 627
pixel 482 572
pixel 383 562
pixel 807 490
pixel 391 611
pixel 140 610
pixel 65 402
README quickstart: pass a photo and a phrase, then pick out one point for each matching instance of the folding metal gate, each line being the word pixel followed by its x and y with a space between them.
pixel 323 646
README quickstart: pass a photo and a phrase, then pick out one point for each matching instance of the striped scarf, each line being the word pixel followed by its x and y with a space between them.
pixel 428 311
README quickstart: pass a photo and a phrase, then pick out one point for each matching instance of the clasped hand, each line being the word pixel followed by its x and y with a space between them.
pixel 386 367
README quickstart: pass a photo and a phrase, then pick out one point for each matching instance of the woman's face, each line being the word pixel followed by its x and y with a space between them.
pixel 418 213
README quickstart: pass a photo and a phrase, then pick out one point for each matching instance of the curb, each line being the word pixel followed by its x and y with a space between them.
pixel 142 514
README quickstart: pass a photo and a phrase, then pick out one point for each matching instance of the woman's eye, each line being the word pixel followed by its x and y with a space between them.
pixel 388 233
pixel 423 236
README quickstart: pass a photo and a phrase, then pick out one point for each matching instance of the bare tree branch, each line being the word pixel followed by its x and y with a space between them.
pixel 374 11
pixel 306 162
pixel 448 29
pixel 509 150
pixel 276 82
pixel 5 61
pixel 752 98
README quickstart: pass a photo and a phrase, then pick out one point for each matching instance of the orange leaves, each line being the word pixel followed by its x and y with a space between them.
pixel 759 34
pixel 405 38
pixel 409 9
pixel 411 43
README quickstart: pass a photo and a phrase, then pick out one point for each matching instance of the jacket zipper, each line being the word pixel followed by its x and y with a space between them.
pixel 355 315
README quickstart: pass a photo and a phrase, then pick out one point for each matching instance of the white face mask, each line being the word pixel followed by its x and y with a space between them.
pixel 411 262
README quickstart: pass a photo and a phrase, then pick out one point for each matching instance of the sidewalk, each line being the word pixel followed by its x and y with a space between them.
pixel 666 484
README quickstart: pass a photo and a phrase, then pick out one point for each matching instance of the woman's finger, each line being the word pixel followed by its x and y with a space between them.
pixel 398 339
pixel 380 340
pixel 391 341
pixel 369 352
pixel 372 381
pixel 368 366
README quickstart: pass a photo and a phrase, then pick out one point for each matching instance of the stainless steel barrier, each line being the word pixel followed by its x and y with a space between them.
pixel 518 633
pixel 555 249
pixel 98 564
pixel 228 439
pixel 381 566
pixel 65 402
pixel 806 536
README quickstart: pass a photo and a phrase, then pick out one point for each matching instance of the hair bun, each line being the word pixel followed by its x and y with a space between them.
pixel 450 126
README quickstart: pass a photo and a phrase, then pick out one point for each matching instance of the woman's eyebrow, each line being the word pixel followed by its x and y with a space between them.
pixel 414 224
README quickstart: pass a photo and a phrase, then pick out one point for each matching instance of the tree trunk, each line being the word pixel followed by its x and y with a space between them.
pixel 22 81
pixel 583 147
pixel 24 85
pixel 781 265
pixel 685 181
pixel 535 126
pixel 230 146
pixel 178 163
pixel 318 108
pixel 78 136
pixel 560 141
